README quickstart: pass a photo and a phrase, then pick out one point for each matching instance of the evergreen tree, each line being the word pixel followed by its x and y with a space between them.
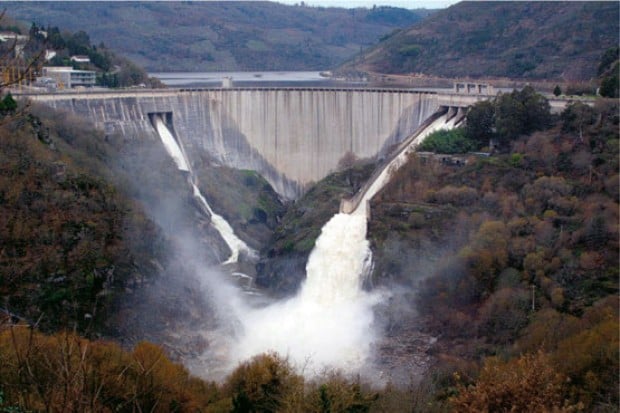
pixel 521 112
pixel 610 85
pixel 8 104
pixel 480 125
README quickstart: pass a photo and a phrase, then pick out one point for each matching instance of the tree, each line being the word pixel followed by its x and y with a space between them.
pixel 480 125
pixel 55 38
pixel 79 43
pixel 557 91
pixel 266 383
pixel 448 141
pixel 521 112
pixel 609 57
pixel 576 116
pixel 8 104
pixel 610 84
pixel 336 393
pixel 18 63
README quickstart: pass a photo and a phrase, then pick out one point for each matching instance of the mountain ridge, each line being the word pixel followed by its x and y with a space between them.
pixel 528 40
pixel 222 36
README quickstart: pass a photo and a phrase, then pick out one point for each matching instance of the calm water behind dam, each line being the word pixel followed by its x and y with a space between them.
pixel 248 79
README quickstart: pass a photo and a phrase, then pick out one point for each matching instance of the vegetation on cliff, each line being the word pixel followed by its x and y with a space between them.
pixel 70 240
pixel 497 122
pixel 534 40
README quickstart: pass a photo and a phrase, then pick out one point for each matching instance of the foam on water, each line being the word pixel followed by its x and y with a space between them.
pixel 330 322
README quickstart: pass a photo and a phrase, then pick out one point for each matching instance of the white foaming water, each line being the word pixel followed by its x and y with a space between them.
pixel 227 233
pixel 330 322
pixel 171 145
pixel 219 223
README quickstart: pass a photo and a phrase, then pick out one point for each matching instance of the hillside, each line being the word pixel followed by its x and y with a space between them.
pixel 211 36
pixel 535 40
pixel 509 261
pixel 72 240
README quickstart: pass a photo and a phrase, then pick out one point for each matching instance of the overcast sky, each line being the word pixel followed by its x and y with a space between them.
pixel 407 4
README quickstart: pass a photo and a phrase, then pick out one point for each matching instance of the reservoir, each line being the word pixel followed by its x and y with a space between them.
pixel 247 79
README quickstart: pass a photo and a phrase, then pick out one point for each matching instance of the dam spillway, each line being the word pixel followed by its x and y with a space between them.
pixel 292 137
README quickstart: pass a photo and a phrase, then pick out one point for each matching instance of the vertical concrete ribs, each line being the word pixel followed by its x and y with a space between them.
pixel 292 137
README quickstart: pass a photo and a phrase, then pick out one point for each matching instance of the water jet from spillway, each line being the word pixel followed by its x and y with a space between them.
pixel 175 151
pixel 330 323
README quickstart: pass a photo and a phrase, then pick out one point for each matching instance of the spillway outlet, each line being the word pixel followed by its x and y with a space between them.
pixel 166 117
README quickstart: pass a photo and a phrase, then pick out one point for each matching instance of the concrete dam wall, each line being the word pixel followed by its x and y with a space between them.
pixel 292 137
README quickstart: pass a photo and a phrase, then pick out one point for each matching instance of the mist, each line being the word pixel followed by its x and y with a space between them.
pixel 330 324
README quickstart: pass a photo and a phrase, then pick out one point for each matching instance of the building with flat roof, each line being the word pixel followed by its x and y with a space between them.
pixel 67 77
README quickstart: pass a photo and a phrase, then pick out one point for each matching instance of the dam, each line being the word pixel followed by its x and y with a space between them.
pixel 291 136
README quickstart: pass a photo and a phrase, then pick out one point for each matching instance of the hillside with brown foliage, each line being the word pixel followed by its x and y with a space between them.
pixel 512 261
pixel 70 239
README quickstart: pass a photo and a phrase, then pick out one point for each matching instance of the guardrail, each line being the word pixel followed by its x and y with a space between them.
pixel 146 92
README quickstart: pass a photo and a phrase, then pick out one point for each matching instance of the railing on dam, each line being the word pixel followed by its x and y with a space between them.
pixel 63 94
pixel 446 96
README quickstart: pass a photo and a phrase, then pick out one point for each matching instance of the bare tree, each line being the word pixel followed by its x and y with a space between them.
pixel 16 66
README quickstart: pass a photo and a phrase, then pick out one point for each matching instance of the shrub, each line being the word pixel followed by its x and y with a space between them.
pixel 449 194
pixel 447 141
pixel 266 383
pixel 64 372
pixel 526 384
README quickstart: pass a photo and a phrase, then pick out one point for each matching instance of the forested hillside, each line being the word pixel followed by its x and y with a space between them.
pixel 512 262
pixel 534 40
pixel 212 36
pixel 111 69
pixel 71 241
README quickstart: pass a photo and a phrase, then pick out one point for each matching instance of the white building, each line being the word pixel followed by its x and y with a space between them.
pixel 67 77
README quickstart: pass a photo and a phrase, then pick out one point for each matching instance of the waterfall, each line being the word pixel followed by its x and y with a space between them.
pixel 329 324
pixel 175 151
